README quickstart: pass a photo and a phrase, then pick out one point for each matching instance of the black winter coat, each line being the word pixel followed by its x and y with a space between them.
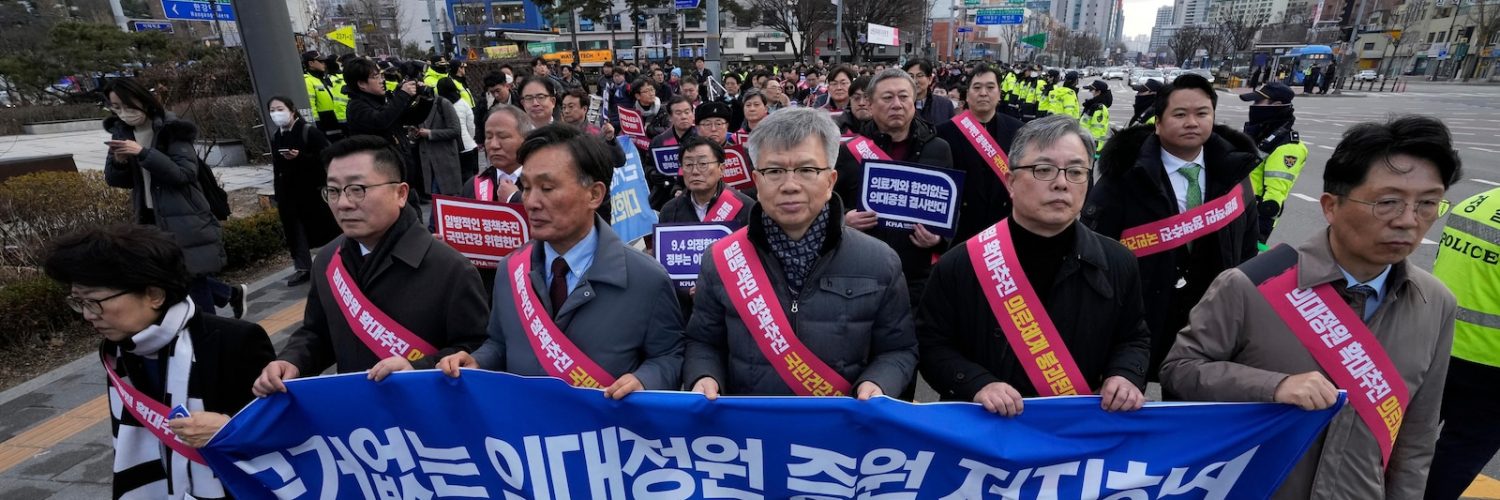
pixel 298 182
pixel 1095 302
pixel 1133 189
pixel 926 149
pixel 382 116
pixel 179 207
pixel 985 199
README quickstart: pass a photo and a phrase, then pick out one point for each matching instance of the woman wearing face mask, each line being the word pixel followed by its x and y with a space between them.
pixel 1096 111
pixel 298 174
pixel 151 154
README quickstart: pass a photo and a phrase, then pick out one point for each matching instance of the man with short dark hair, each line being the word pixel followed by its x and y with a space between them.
pixel 933 110
pixel 384 255
pixel 706 198
pixel 1156 179
pixel 1059 268
pixel 497 92
pixel 985 199
pixel 370 111
pixel 1344 310
pixel 609 314
pixel 852 334
pixel 663 187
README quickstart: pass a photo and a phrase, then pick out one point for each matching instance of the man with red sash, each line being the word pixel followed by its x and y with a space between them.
pixel 796 303
pixel 576 303
pixel 663 187
pixel 1345 310
pixel 504 130
pixel 980 140
pixel 386 296
pixel 707 198
pixel 893 134
pixel 1177 193
pixel 1037 304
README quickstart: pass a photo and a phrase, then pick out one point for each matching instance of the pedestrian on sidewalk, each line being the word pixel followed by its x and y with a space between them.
pixel 151 154
pixel 131 282
pixel 298 178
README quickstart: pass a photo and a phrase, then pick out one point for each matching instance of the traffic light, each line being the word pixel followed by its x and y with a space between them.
pixel 448 46
pixel 830 42
pixel 908 47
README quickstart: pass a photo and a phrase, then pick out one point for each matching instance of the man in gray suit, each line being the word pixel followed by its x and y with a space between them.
pixel 797 302
pixel 596 313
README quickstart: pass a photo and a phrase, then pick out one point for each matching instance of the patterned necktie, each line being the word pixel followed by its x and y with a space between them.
pixel 559 287
pixel 1194 193
pixel 1358 297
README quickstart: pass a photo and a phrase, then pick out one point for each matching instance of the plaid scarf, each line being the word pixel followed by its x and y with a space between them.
pixel 797 256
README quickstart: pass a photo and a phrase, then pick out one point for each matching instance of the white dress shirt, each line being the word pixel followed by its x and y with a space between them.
pixel 1173 164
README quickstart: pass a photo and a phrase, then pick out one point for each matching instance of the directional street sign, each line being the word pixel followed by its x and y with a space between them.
pixel 139 26
pixel 965 29
pixel 971 3
pixel 687 4
pixel 197 10
pixel 999 16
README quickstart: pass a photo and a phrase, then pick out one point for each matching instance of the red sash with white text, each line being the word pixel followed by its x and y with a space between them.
pixel 1022 316
pixel 557 355
pixel 750 291
pixel 1175 231
pixel 149 412
pixel 383 335
pixel 484 189
pixel 865 149
pixel 1340 342
pixel 985 144
pixel 725 208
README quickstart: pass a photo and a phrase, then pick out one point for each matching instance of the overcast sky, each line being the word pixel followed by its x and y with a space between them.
pixel 1140 15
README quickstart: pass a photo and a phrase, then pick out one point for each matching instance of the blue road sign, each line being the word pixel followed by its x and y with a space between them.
pixel 197 10
pixel 688 4
pixel 965 29
pixel 163 26
pixel 999 16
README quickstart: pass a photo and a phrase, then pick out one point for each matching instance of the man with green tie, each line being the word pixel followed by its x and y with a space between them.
pixel 1177 194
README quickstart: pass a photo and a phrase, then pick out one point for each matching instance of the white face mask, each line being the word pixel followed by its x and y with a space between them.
pixel 133 117
pixel 281 118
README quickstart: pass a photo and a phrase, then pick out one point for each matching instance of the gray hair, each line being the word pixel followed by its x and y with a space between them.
pixel 887 74
pixel 787 128
pixel 1043 132
pixel 523 120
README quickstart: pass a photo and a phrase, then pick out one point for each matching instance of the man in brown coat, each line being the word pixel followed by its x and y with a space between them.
pixel 1383 189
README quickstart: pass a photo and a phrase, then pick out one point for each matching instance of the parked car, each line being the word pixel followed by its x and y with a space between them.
pixel 1203 72
pixel 1367 75
pixel 1140 76
pixel 1115 74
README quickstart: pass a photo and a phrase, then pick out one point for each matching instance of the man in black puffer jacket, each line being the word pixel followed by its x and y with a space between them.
pixel 1153 172
pixel 895 130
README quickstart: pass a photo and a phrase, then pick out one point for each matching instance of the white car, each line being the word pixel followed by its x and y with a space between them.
pixel 1367 75
pixel 1203 72
pixel 1141 76
pixel 1114 74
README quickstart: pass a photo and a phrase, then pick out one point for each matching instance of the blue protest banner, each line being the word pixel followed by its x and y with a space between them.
pixel 197 10
pixel 907 193
pixel 679 248
pixel 667 161
pixel 630 211
pixel 490 435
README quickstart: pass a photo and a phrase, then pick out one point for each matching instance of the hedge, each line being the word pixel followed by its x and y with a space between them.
pixel 250 239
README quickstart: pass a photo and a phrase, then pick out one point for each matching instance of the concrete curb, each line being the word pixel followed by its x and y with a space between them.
pixel 87 361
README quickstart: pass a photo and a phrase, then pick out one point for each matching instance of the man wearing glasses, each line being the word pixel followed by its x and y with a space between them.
pixel 933 111
pixel 386 296
pixel 796 303
pixel 707 199
pixel 1057 268
pixel 1344 310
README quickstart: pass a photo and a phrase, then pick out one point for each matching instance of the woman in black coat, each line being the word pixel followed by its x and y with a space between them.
pixel 298 177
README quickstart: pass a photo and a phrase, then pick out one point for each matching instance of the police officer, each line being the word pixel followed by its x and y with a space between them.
pixel 315 76
pixel 1063 99
pixel 1096 112
pixel 335 72
pixel 1468 261
pixel 1271 120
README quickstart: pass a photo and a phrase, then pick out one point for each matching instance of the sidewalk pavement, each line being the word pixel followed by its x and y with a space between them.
pixel 88 152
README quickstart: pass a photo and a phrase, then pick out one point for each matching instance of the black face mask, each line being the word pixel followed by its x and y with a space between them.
pixel 1265 119
pixel 1144 101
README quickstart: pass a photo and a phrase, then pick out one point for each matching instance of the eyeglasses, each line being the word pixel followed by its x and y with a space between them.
pixel 1045 172
pixel 802 174
pixel 698 167
pixel 91 306
pixel 354 192
pixel 534 98
pixel 713 122
pixel 1391 208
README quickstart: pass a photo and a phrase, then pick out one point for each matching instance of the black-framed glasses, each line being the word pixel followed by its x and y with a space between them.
pixel 1046 172
pixel 1391 208
pixel 354 192
pixel 803 174
pixel 534 98
pixel 91 306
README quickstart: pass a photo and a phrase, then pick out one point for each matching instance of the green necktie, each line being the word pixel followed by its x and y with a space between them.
pixel 1194 193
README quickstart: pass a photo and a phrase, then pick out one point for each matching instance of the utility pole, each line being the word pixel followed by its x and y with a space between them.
pixel 432 21
pixel 838 33
pixel 266 35
pixel 711 56
pixel 573 30
pixel 1352 56
pixel 119 13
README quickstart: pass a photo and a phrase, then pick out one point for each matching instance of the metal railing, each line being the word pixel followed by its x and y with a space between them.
pixel 1381 84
